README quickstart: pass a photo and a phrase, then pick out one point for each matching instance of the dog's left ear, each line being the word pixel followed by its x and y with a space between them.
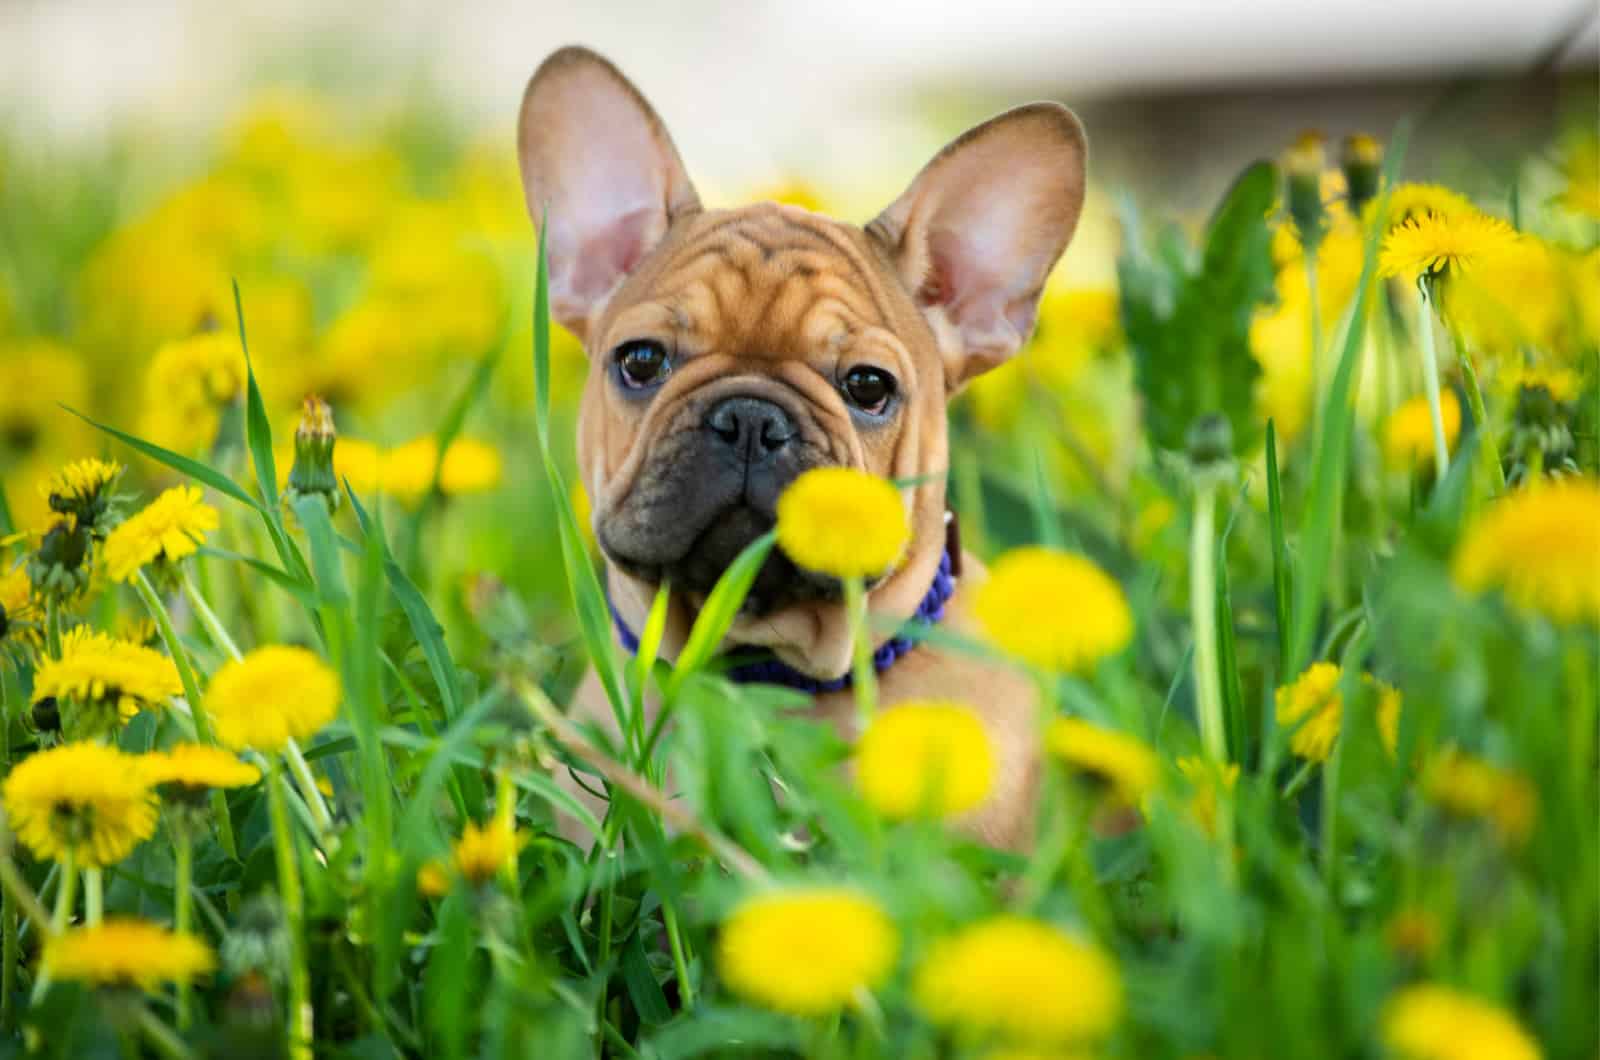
pixel 980 227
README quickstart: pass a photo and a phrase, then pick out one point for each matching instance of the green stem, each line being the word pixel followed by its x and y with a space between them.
pixel 1314 311
pixel 1203 616
pixel 1330 818
pixel 1430 377
pixel 308 789
pixel 1067 828
pixel 197 710
pixel 680 960
pixel 66 898
pixel 161 1037
pixel 1480 413
pixel 864 679
pixel 208 618
pixel 300 1015
pixel 8 973
pixel 94 896
pixel 183 903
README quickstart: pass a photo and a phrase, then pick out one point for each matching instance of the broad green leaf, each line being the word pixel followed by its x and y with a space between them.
pixel 716 617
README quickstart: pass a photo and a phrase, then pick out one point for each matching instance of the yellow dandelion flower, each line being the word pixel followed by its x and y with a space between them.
pixel 271 696
pixel 1581 168
pixel 1409 200
pixel 1434 1022
pixel 843 522
pixel 172 526
pixel 86 801
pixel 1408 434
pixel 1541 547
pixel 1125 765
pixel 197 766
pixel 1054 610
pixel 920 757
pixel 1432 245
pixel 482 852
pixel 792 192
pixel 122 952
pixel 105 680
pixel 187 386
pixel 19 609
pixel 433 879
pixel 1312 706
pixel 1471 788
pixel 470 466
pixel 82 488
pixel 1562 384
pixel 1021 978
pixel 806 950
pixel 1205 778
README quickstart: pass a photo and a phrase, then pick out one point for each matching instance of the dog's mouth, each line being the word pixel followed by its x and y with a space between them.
pixel 778 584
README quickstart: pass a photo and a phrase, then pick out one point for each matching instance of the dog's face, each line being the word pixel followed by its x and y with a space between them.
pixel 731 350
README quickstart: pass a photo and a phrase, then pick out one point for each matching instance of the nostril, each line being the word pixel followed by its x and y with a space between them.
pixel 775 434
pixel 724 423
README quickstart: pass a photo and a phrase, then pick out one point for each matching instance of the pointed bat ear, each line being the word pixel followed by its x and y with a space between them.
pixel 980 227
pixel 598 163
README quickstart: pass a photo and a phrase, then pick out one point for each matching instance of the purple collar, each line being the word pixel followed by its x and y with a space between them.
pixel 768 670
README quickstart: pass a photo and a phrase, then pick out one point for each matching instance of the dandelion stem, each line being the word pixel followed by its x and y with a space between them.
pixel 94 896
pixel 161 1037
pixel 308 788
pixel 1480 413
pixel 300 1016
pixel 183 903
pixel 1330 817
pixel 1430 377
pixel 673 813
pixel 1203 616
pixel 66 898
pixel 680 961
pixel 865 681
pixel 197 710
pixel 208 618
pixel 1313 311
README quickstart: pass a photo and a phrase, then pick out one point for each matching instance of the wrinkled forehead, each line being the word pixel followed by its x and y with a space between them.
pixel 766 281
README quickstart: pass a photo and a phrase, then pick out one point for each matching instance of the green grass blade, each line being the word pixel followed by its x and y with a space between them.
pixel 1282 570
pixel 1227 648
pixel 258 430
pixel 203 473
pixel 716 617
pixel 1331 458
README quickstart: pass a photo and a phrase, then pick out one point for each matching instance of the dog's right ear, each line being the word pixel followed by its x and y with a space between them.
pixel 597 162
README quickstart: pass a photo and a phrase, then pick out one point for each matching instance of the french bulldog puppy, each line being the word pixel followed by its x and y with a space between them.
pixel 731 350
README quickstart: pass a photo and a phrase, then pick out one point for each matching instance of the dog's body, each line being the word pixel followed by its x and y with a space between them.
pixel 732 350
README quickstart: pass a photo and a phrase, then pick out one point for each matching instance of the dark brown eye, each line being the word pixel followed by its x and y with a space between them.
pixel 642 363
pixel 869 389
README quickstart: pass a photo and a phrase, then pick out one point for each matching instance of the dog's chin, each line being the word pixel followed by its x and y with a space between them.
pixel 778 585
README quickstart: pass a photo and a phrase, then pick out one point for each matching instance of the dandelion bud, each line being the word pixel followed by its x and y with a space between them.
pixel 1362 159
pixel 1210 442
pixel 46 715
pixel 1302 169
pixel 312 474
pixel 59 568
pixel 1540 439
pixel 258 942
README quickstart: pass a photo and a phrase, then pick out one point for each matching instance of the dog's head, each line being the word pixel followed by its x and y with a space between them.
pixel 731 350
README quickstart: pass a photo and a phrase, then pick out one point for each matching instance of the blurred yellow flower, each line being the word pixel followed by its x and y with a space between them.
pixel 1075 324
pixel 1125 765
pixel 924 757
pixel 1469 787
pixel 1205 778
pixel 482 852
pixel 1410 200
pixel 1581 168
pixel 433 879
pixel 1312 707
pixel 470 466
pixel 124 952
pixel 187 386
pixel 37 378
pixel 19 610
pixel 197 767
pixel 273 695
pixel 1433 1022
pixel 142 288
pixel 1408 434
pixel 1054 610
pixel 793 192
pixel 1412 932
pixel 80 484
pixel 843 522
pixel 1432 245
pixel 807 951
pixel 168 529
pixel 85 801
pixel 1541 547
pixel 1019 978
pixel 101 681
pixel 1561 383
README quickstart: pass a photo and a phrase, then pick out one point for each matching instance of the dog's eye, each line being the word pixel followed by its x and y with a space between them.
pixel 869 389
pixel 642 363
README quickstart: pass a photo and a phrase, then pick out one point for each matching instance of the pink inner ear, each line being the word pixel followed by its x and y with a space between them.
pixel 607 253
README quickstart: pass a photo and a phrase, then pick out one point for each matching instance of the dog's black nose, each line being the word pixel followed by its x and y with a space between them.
pixel 754 428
